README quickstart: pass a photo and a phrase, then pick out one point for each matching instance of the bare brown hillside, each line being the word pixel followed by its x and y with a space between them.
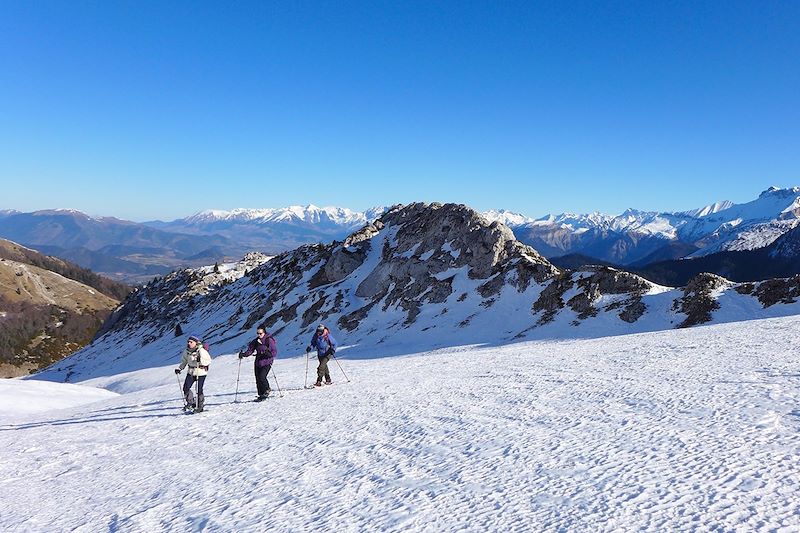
pixel 44 316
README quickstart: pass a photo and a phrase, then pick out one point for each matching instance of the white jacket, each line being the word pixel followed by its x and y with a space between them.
pixel 196 360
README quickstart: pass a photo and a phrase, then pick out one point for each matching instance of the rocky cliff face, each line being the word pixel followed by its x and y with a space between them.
pixel 421 276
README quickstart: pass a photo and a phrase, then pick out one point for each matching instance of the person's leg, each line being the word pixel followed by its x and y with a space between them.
pixel 262 383
pixel 267 388
pixel 256 370
pixel 187 389
pixel 320 370
pixel 201 399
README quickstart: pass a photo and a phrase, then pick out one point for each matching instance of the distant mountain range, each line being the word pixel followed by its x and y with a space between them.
pixel 634 239
pixel 136 252
pixel 642 237
pixel 274 230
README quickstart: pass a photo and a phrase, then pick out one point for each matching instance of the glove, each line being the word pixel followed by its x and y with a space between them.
pixel 177 370
pixel 242 355
pixel 308 349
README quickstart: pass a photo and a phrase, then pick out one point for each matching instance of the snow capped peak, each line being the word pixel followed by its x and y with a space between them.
pixel 293 214
pixel 508 218
pixel 780 192
pixel 212 213
pixel 708 210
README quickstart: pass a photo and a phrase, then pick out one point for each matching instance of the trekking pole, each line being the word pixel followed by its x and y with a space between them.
pixel 197 390
pixel 236 399
pixel 183 397
pixel 340 367
pixel 276 383
pixel 305 379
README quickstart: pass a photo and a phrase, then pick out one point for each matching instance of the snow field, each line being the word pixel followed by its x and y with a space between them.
pixel 29 396
pixel 678 430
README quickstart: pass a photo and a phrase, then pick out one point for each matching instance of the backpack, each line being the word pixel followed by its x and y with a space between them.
pixel 272 345
pixel 207 348
pixel 325 335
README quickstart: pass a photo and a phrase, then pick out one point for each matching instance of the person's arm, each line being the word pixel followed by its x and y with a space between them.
pixel 184 362
pixel 248 351
pixel 205 358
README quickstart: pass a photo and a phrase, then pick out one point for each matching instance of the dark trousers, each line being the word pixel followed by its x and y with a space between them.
pixel 322 369
pixel 187 389
pixel 262 384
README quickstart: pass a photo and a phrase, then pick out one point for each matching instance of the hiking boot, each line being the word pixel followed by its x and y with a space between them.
pixel 318 383
pixel 328 382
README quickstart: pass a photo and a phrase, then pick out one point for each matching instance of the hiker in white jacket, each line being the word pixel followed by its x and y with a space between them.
pixel 198 360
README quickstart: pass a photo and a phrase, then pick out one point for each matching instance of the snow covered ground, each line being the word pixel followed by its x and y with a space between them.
pixel 693 430
pixel 31 396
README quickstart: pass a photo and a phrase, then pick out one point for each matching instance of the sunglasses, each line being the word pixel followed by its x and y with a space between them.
pixel 260 333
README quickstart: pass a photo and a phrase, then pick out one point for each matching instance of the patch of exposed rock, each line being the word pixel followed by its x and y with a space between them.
pixel 698 301
pixel 590 286
pixel 773 291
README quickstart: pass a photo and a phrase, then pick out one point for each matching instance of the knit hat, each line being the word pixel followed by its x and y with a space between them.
pixel 194 338
pixel 321 327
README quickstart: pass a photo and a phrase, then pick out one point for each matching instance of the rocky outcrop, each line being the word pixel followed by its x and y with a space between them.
pixel 698 301
pixel 589 287
pixel 431 242
pixel 774 291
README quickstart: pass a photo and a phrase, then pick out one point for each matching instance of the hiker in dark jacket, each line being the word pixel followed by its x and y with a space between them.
pixel 325 345
pixel 265 349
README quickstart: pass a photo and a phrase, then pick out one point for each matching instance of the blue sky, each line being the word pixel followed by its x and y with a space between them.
pixel 148 110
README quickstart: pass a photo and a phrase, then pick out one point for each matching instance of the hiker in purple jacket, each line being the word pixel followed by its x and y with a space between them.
pixel 325 344
pixel 265 349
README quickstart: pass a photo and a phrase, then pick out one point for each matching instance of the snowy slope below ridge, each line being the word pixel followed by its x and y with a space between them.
pixel 423 275
pixel 681 430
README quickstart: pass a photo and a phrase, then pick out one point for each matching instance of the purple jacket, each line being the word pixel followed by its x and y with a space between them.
pixel 264 350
